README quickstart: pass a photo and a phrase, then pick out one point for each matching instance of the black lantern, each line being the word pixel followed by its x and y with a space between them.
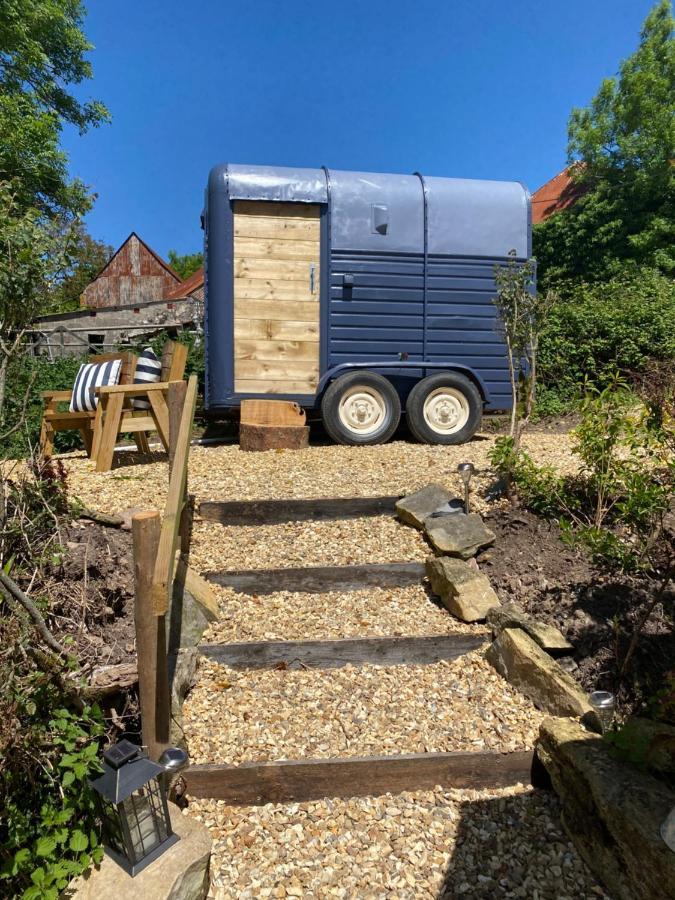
pixel 134 808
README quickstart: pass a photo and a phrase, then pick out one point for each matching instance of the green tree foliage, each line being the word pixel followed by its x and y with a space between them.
pixel 33 257
pixel 624 142
pixel 87 257
pixel 599 328
pixel 43 55
pixel 185 264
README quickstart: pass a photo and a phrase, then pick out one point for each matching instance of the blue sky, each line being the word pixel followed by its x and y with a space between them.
pixel 466 88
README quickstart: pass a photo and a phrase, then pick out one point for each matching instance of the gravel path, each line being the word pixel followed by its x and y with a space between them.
pixel 232 716
pixel 225 473
pixel 428 844
pixel 298 616
pixel 340 542
pixel 411 846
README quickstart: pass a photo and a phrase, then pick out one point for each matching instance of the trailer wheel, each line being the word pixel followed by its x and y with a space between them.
pixel 444 409
pixel 361 408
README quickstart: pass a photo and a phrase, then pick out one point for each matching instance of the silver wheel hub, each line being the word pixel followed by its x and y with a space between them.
pixel 446 410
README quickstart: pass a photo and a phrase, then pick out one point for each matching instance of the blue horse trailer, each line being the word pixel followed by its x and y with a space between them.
pixel 359 294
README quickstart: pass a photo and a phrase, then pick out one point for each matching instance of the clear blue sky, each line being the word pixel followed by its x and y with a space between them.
pixel 466 88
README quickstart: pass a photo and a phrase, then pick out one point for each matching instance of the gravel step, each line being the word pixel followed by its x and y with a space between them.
pixel 233 715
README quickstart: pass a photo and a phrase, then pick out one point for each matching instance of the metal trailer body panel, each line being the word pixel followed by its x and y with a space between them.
pixel 406 280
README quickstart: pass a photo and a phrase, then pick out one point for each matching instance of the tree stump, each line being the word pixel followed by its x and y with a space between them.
pixel 273 437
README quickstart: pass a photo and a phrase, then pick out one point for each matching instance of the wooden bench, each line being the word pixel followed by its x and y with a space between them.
pixel 116 415
pixel 55 419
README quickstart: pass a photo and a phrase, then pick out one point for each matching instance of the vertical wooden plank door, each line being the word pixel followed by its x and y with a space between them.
pixel 276 297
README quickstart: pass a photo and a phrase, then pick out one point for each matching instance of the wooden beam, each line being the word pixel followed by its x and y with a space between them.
pixel 379 651
pixel 269 512
pixel 311 779
pixel 320 579
pixel 168 539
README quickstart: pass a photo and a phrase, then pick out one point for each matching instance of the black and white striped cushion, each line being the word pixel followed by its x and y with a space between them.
pixel 148 371
pixel 90 376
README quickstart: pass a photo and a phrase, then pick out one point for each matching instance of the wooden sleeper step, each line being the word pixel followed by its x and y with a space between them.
pixel 285 781
pixel 320 579
pixel 333 654
pixel 271 512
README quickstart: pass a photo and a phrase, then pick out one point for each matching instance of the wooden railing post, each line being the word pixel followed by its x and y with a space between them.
pixel 153 676
pixel 175 402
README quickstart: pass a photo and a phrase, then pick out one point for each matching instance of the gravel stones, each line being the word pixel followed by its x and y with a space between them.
pixel 234 716
pixel 547 636
pixel 415 509
pixel 459 535
pixel 372 612
pixel 412 846
pixel 524 664
pixel 464 591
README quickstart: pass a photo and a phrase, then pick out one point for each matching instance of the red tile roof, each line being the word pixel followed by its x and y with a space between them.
pixel 558 193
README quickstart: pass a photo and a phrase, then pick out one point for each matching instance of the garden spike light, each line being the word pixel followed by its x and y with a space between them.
pixel 466 471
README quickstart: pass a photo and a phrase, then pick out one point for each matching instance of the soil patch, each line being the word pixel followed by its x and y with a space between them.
pixel 90 585
pixel 530 564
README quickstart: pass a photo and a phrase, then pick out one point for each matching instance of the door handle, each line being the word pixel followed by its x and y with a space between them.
pixel 312 277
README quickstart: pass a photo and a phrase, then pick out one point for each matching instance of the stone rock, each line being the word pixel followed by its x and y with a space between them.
pixel 464 591
pixel 414 509
pixel 188 618
pixel 612 812
pixel 526 666
pixel 511 615
pixel 182 666
pixel 459 535
pixel 181 873
pixel 658 742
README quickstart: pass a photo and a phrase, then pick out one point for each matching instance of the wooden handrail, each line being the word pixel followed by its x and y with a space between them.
pixel 168 539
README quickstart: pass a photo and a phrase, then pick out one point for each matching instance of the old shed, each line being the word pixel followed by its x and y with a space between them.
pixel 134 275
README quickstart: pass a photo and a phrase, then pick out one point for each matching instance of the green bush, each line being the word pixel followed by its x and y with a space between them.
pixel 598 329
pixel 58 375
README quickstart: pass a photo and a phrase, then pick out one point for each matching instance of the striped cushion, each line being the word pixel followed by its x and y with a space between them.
pixel 148 371
pixel 90 376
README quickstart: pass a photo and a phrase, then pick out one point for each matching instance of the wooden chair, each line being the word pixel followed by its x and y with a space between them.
pixel 115 414
pixel 55 419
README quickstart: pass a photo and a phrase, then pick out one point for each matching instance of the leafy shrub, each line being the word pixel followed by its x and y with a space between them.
pixel 49 737
pixel 598 329
pixel 36 374
pixel 616 505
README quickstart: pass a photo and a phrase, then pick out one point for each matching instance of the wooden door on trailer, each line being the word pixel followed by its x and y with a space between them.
pixel 276 297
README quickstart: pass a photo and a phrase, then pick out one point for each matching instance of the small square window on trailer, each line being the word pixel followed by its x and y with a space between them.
pixel 361 295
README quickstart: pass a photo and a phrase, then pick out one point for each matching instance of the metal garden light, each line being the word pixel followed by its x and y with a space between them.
pixel 132 794
pixel 466 471
pixel 603 706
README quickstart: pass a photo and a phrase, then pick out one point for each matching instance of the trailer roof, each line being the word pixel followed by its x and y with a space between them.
pixel 468 217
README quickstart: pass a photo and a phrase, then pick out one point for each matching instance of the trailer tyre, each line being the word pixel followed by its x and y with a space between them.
pixel 361 408
pixel 444 409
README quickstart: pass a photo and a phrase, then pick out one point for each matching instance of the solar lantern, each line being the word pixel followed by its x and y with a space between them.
pixel 466 471
pixel 603 704
pixel 132 797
